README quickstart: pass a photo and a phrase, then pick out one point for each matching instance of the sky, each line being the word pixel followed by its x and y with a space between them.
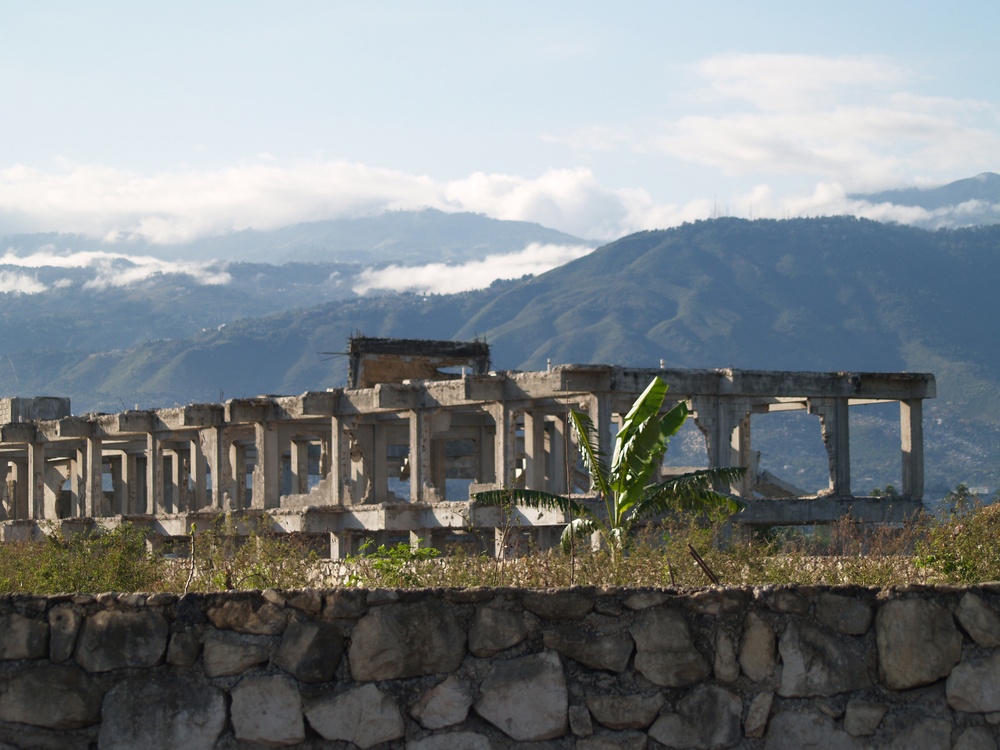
pixel 170 121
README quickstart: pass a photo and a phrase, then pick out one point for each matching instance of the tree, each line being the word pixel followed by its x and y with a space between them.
pixel 627 487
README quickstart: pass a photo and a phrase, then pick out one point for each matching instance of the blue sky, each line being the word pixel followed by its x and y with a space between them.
pixel 176 120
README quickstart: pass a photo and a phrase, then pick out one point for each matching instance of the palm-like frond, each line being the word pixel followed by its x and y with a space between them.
pixel 531 499
pixel 694 490
pixel 590 449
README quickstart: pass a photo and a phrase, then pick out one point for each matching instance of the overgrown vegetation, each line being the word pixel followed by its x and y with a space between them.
pixel 957 547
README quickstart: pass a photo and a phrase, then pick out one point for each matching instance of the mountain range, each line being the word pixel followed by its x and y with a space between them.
pixel 836 294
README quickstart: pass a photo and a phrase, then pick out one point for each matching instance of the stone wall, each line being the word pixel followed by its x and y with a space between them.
pixel 790 667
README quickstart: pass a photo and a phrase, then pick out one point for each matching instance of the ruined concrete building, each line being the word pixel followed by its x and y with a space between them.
pixel 398 451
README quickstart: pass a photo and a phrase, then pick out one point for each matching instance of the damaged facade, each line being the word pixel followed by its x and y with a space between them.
pixel 400 458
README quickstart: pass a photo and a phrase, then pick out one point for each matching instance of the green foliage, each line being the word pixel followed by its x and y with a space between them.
pixel 398 566
pixel 962 548
pixel 222 559
pixel 92 562
pixel 626 487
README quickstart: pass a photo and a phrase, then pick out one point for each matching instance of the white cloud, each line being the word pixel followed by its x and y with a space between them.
pixel 441 278
pixel 111 269
pixel 12 282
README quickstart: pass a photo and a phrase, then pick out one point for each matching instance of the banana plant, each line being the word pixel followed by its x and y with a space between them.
pixel 629 486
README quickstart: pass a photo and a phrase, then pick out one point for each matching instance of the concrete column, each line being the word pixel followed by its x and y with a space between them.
pixel 340 545
pixel 439 468
pixel 534 449
pixel 198 469
pixel 378 466
pixel 131 477
pixel 338 470
pixel 486 469
pixel 154 474
pixel 557 470
pixel 93 484
pixel 6 505
pixel 833 417
pixel 911 431
pixel 36 480
pixel 78 484
pixel 238 457
pixel 267 473
pixel 503 443
pixel 180 474
pixel 22 490
pixel 420 458
pixel 300 466
pixel 118 485
pixel 218 449
pixel 742 449
pixel 362 454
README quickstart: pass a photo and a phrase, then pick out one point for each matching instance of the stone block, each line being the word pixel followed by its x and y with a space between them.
pixel 757 648
pixel 227 653
pixel 610 653
pixel 451 741
pixel 526 698
pixel 558 605
pixel 614 741
pixel 807 729
pixel 112 640
pixel 980 621
pixel 444 705
pixel 918 643
pixel 706 718
pixel 494 630
pixel 974 685
pixel 844 614
pixel 580 723
pixel 363 715
pixel 248 614
pixel 819 663
pixel 23 637
pixel 975 738
pixel 64 627
pixel 758 714
pixel 726 666
pixel 405 640
pixel 665 653
pixel 161 710
pixel 310 651
pixel 862 718
pixel 267 711
pixel 626 711
pixel 57 696
pixel 184 648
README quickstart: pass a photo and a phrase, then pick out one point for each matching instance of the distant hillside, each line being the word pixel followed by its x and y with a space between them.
pixel 805 294
pixel 969 202
pixel 409 237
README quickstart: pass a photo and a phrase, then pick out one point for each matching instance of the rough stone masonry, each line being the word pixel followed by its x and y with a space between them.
pixel 770 667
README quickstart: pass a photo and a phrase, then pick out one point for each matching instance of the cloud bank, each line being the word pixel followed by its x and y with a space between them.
pixel 109 269
pixel 442 278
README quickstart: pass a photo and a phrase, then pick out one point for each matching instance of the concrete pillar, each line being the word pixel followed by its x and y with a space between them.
pixel 238 458
pixel 378 464
pixel 420 457
pixel 485 455
pixel 534 449
pixel 119 488
pixel 36 480
pixel 77 484
pixel 22 489
pixel 503 443
pixel 338 470
pixel 743 450
pixel 911 431
pixel 198 470
pixel 340 545
pixel 180 475
pixel 557 470
pixel 267 472
pixel 833 417
pixel 218 451
pixel 6 504
pixel 439 468
pixel 93 484
pixel 363 463
pixel 299 464
pixel 154 474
